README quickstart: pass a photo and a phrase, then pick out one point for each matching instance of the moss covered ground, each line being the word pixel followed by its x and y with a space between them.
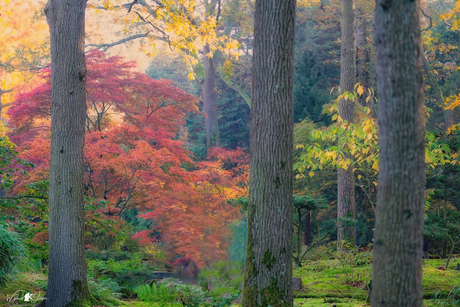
pixel 325 283
pixel 330 282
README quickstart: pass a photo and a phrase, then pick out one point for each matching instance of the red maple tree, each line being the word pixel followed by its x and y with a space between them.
pixel 135 157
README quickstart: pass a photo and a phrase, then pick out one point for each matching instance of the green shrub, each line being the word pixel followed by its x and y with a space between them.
pixel 12 252
pixel 128 274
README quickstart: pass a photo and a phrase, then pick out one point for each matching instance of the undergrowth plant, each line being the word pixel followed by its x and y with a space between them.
pixel 158 295
pixel 105 293
pixel 452 299
pixel 354 263
pixel 12 252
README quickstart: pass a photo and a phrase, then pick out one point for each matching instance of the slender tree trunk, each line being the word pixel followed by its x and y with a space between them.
pixel 437 90
pixel 268 264
pixel 3 105
pixel 346 181
pixel 308 236
pixel 67 284
pixel 210 100
pixel 362 55
pixel 397 272
pixel 372 78
pixel 453 90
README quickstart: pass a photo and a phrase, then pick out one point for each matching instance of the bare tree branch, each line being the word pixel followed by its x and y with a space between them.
pixel 431 21
pixel 104 47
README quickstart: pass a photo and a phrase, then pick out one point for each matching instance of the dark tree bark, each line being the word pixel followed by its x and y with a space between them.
pixel 398 240
pixel 67 284
pixel 210 100
pixel 268 265
pixel 346 180
pixel 308 236
pixel 362 54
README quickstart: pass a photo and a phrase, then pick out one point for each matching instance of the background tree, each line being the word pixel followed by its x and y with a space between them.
pixel 200 31
pixel 268 264
pixel 346 181
pixel 397 275
pixel 67 281
pixel 24 49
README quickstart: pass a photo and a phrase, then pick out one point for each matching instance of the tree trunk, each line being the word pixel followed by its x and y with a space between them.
pixel 3 105
pixel 363 55
pixel 437 90
pixel 308 236
pixel 450 121
pixel 346 181
pixel 268 264
pixel 67 284
pixel 397 272
pixel 210 100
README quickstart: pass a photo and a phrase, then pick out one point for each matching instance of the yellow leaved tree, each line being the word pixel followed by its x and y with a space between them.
pixel 209 34
pixel 24 48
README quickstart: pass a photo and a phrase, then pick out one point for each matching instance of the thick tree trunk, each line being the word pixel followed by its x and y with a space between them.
pixel 210 100
pixel 362 54
pixel 308 236
pixel 397 272
pixel 346 183
pixel 268 265
pixel 67 285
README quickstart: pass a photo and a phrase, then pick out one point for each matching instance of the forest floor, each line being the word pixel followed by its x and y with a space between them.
pixel 331 282
pixel 325 283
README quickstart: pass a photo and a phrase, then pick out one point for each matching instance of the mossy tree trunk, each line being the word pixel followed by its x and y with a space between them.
pixel 308 235
pixel 346 180
pixel 268 265
pixel 398 240
pixel 67 284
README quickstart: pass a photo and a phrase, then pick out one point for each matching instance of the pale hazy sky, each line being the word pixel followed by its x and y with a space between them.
pixel 101 29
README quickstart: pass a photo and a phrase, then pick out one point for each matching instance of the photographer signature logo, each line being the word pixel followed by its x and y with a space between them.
pixel 21 296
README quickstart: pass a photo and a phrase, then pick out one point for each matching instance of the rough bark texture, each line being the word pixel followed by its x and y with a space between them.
pixel 268 265
pixel 398 240
pixel 308 235
pixel 210 101
pixel 346 180
pixel 67 285
pixel 362 54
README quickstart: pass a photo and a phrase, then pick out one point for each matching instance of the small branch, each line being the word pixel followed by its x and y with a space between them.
pixel 5 91
pixel 131 5
pixel 23 196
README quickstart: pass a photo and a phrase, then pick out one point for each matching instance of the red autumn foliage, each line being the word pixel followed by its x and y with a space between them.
pixel 135 157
